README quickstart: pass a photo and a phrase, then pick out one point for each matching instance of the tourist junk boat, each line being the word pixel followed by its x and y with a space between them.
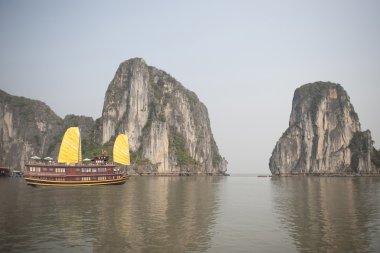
pixel 71 171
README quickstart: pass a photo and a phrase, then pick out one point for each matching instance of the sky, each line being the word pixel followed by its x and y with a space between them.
pixel 243 59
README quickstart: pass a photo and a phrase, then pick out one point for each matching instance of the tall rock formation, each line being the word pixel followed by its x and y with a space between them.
pixel 324 135
pixel 27 127
pixel 168 127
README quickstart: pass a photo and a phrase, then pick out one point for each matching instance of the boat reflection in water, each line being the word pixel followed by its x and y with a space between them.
pixel 71 171
pixel 160 214
pixel 149 214
pixel 328 214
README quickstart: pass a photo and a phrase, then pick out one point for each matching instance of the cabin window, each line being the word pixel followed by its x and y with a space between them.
pixel 93 170
pixel 34 169
pixel 51 169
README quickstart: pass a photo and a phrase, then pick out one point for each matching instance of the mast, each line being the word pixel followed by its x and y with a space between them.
pixel 80 147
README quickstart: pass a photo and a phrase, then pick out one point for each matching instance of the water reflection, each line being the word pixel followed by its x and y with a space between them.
pixel 170 213
pixel 148 214
pixel 329 214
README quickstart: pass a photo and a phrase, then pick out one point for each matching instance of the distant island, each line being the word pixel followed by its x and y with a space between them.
pixel 168 127
pixel 324 136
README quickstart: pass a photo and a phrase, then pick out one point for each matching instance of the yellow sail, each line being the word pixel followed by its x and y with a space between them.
pixel 70 151
pixel 121 150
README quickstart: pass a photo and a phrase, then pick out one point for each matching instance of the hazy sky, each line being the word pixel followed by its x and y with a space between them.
pixel 244 59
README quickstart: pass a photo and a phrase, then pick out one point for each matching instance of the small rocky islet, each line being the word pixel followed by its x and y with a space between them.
pixel 324 136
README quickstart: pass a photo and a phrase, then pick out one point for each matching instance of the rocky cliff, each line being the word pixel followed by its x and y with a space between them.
pixel 168 127
pixel 27 127
pixel 324 135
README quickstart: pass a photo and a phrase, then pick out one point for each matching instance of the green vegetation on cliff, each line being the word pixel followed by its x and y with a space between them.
pixel 178 145
pixel 216 158
pixel 137 157
pixel 359 148
pixel 375 157
pixel 91 149
pixel 315 92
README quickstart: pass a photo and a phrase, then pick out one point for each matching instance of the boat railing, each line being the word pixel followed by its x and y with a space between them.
pixel 43 174
pixel 93 163
pixel 69 165
pixel 42 163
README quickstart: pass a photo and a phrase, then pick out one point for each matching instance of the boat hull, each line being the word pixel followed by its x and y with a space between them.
pixel 43 182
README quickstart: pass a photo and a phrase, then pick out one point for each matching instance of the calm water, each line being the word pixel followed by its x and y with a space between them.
pixel 194 214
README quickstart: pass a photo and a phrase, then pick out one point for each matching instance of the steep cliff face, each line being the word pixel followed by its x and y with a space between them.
pixel 320 137
pixel 27 127
pixel 168 127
